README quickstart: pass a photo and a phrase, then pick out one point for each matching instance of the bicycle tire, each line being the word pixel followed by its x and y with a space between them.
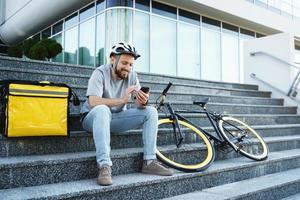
pixel 252 145
pixel 200 152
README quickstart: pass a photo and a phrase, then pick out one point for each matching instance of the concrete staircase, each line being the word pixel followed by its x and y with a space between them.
pixel 65 168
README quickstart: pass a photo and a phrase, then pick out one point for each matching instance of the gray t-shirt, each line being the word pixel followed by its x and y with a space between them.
pixel 102 84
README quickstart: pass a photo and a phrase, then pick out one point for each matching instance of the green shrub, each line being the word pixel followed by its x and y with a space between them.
pixel 38 52
pixel 15 51
pixel 27 44
pixel 33 49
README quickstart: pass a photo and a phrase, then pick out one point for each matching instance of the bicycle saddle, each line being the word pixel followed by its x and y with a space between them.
pixel 201 102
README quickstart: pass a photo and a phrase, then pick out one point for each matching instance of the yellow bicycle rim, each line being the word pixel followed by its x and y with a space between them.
pixel 204 163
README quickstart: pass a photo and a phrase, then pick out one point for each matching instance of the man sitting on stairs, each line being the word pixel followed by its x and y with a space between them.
pixel 110 88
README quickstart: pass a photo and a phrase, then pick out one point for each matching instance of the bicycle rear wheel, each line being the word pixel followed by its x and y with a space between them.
pixel 196 152
pixel 243 138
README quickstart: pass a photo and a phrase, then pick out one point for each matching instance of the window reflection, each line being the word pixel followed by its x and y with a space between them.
pixel 100 5
pixel 71 45
pixel 71 21
pixel 59 57
pixel 188 51
pixel 112 3
pixel 118 27
pixel 163 9
pixel 87 43
pixel 163 46
pixel 211 23
pixel 100 40
pixel 142 5
pixel 230 58
pixel 142 41
pixel 87 12
pixel 210 55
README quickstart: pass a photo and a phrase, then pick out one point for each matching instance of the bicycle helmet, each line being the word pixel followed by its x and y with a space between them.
pixel 124 48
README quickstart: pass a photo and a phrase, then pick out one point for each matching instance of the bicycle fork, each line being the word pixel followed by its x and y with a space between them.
pixel 176 128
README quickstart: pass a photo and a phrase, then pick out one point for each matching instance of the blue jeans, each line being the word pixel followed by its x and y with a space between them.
pixel 102 122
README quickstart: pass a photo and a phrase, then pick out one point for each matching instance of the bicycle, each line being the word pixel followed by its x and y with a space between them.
pixel 188 136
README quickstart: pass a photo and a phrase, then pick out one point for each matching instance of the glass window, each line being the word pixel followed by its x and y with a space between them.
pixel 189 17
pixel 286 8
pixel 142 41
pixel 228 28
pixel 163 46
pixel 211 23
pixel 163 9
pixel 188 51
pixel 246 33
pixel 87 12
pixel 37 37
pixel 57 27
pixel 297 12
pixel 210 55
pixel 100 5
pixel 230 58
pixel 59 57
pixel 71 46
pixel 142 5
pixel 274 5
pixel 116 29
pixel 112 3
pixel 87 42
pixel 46 33
pixel 100 40
pixel 71 21
pixel 258 35
pixel 262 3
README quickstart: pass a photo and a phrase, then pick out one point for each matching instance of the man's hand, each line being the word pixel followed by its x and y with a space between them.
pixel 126 97
pixel 141 98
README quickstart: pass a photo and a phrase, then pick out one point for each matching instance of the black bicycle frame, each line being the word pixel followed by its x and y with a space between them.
pixel 174 115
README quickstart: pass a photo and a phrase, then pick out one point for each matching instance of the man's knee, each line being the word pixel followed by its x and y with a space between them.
pixel 102 111
pixel 151 112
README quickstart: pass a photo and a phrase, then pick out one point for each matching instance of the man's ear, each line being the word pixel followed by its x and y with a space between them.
pixel 113 59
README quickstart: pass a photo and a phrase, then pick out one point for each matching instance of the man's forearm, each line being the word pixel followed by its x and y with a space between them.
pixel 94 101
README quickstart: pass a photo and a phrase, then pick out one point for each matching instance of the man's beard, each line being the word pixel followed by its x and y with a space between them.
pixel 120 74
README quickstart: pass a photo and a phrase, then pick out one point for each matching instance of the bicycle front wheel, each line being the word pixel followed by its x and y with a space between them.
pixel 243 138
pixel 195 153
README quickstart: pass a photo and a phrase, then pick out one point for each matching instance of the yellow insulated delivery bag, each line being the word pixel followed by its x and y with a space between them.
pixel 30 108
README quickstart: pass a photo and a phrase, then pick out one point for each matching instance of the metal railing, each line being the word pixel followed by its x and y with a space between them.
pixel 293 88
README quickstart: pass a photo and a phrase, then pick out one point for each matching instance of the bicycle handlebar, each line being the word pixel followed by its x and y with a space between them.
pixel 167 89
pixel 163 95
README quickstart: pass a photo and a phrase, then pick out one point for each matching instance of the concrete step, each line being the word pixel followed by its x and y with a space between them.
pixel 224 108
pixel 271 186
pixel 227 108
pixel 81 81
pixel 159 77
pixel 140 186
pixel 189 88
pixel 26 171
pixel 16 65
pixel 193 96
pixel 293 197
pixel 201 120
pixel 82 141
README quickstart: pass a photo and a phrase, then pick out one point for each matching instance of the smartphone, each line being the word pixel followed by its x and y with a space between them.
pixel 145 89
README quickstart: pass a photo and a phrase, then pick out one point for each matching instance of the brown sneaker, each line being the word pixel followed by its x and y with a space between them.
pixel 104 177
pixel 156 168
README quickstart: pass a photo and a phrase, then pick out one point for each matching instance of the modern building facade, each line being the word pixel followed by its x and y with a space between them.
pixel 193 38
